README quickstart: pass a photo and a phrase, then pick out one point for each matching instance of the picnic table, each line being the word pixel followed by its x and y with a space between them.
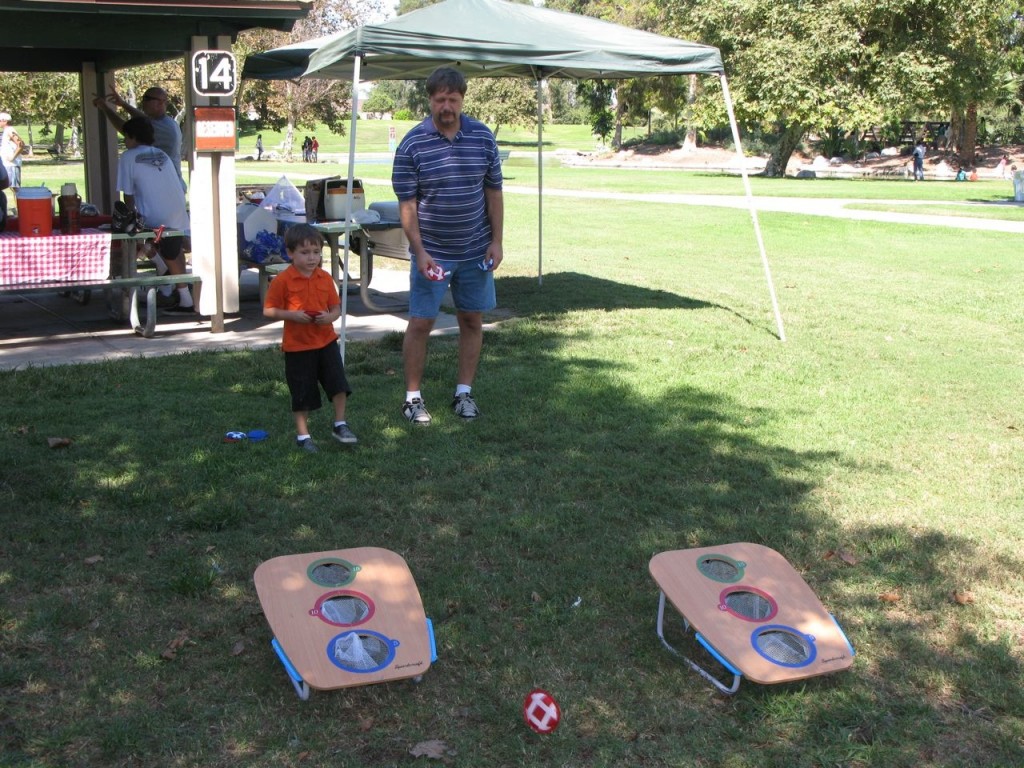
pixel 77 264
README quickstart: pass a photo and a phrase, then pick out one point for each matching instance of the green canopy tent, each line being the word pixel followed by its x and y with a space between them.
pixel 493 38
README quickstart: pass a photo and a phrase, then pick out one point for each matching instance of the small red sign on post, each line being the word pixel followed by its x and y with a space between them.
pixel 215 129
pixel 541 711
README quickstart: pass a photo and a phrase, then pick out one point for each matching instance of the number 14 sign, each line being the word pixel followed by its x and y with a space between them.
pixel 213 73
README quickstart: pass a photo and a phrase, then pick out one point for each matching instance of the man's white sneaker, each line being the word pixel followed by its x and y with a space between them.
pixel 416 411
pixel 465 406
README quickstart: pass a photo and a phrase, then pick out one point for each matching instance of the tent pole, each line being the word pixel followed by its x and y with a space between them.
pixel 750 203
pixel 540 184
pixel 348 201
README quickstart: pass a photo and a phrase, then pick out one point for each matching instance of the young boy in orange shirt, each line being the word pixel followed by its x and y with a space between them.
pixel 305 297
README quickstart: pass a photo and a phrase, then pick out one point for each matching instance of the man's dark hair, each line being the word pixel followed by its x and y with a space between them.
pixel 140 129
pixel 446 79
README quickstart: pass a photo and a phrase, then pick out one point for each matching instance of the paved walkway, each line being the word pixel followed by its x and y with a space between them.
pixel 47 329
pixel 837 208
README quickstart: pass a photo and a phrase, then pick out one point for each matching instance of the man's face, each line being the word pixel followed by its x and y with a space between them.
pixel 154 104
pixel 445 108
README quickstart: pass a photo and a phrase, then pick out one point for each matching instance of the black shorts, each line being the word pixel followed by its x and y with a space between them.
pixel 304 371
pixel 171 247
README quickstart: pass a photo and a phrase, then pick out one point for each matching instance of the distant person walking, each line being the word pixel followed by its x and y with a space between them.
pixel 259 146
pixel 1003 169
pixel 919 152
pixel 11 150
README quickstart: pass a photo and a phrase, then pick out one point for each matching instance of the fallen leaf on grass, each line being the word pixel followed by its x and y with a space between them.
pixel 93 560
pixel 890 597
pixel 22 430
pixel 171 651
pixel 843 555
pixel 365 724
pixel 59 442
pixel 238 648
pixel 535 597
pixel 435 749
pixel 962 597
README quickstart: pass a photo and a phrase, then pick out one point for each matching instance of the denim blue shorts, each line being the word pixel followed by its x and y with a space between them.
pixel 472 289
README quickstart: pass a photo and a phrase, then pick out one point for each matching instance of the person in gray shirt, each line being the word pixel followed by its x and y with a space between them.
pixel 166 132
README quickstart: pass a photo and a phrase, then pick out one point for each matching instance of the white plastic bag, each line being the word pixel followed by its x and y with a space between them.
pixel 284 197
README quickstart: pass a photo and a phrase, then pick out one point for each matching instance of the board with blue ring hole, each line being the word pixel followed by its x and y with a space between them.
pixel 752 612
pixel 345 617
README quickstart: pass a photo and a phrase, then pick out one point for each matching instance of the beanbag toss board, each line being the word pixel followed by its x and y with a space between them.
pixel 751 610
pixel 345 618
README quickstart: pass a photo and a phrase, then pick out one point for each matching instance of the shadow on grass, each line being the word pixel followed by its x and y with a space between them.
pixel 529 532
pixel 572 291
pixel 562 292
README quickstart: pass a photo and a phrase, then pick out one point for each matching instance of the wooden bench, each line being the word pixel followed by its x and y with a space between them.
pixel 266 271
pixel 150 282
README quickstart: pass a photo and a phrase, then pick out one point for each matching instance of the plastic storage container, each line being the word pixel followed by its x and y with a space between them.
pixel 35 212
pixel 334 206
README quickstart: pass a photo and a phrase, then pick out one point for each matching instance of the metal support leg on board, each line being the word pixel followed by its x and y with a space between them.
pixel 737 675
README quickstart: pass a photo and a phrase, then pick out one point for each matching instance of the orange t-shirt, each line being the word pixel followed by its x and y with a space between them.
pixel 291 290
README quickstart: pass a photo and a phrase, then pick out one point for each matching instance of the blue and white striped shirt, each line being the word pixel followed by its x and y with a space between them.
pixel 447 180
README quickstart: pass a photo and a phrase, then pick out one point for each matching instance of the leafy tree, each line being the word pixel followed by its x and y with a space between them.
pixel 379 102
pixel 409 95
pixel 946 55
pixel 307 102
pixel 502 101
pixel 819 64
pixel 793 68
pixel 596 95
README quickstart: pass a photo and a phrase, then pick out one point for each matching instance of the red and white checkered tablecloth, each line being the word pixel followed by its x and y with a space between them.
pixel 70 258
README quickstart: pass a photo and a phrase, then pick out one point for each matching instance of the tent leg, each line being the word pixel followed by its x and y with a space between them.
pixel 348 202
pixel 750 203
pixel 540 183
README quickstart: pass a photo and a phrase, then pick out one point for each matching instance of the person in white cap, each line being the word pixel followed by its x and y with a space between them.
pixel 11 149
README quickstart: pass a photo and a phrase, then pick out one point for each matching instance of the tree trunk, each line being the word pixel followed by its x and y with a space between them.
pixel 956 123
pixel 617 137
pixel 779 159
pixel 970 135
pixel 690 142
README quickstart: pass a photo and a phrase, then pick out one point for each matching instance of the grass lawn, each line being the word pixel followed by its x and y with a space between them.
pixel 635 403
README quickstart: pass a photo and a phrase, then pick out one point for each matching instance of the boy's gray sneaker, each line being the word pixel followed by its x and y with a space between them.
pixel 465 406
pixel 345 435
pixel 416 411
pixel 307 445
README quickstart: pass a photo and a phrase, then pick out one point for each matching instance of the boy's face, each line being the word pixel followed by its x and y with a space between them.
pixel 306 256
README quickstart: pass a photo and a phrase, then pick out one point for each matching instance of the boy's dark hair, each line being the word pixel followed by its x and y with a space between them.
pixel 300 234
pixel 140 129
pixel 446 79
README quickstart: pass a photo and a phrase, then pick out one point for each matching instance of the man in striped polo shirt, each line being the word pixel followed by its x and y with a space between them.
pixel 447 177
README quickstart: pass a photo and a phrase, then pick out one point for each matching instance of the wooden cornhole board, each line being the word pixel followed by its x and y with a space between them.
pixel 315 601
pixel 752 611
